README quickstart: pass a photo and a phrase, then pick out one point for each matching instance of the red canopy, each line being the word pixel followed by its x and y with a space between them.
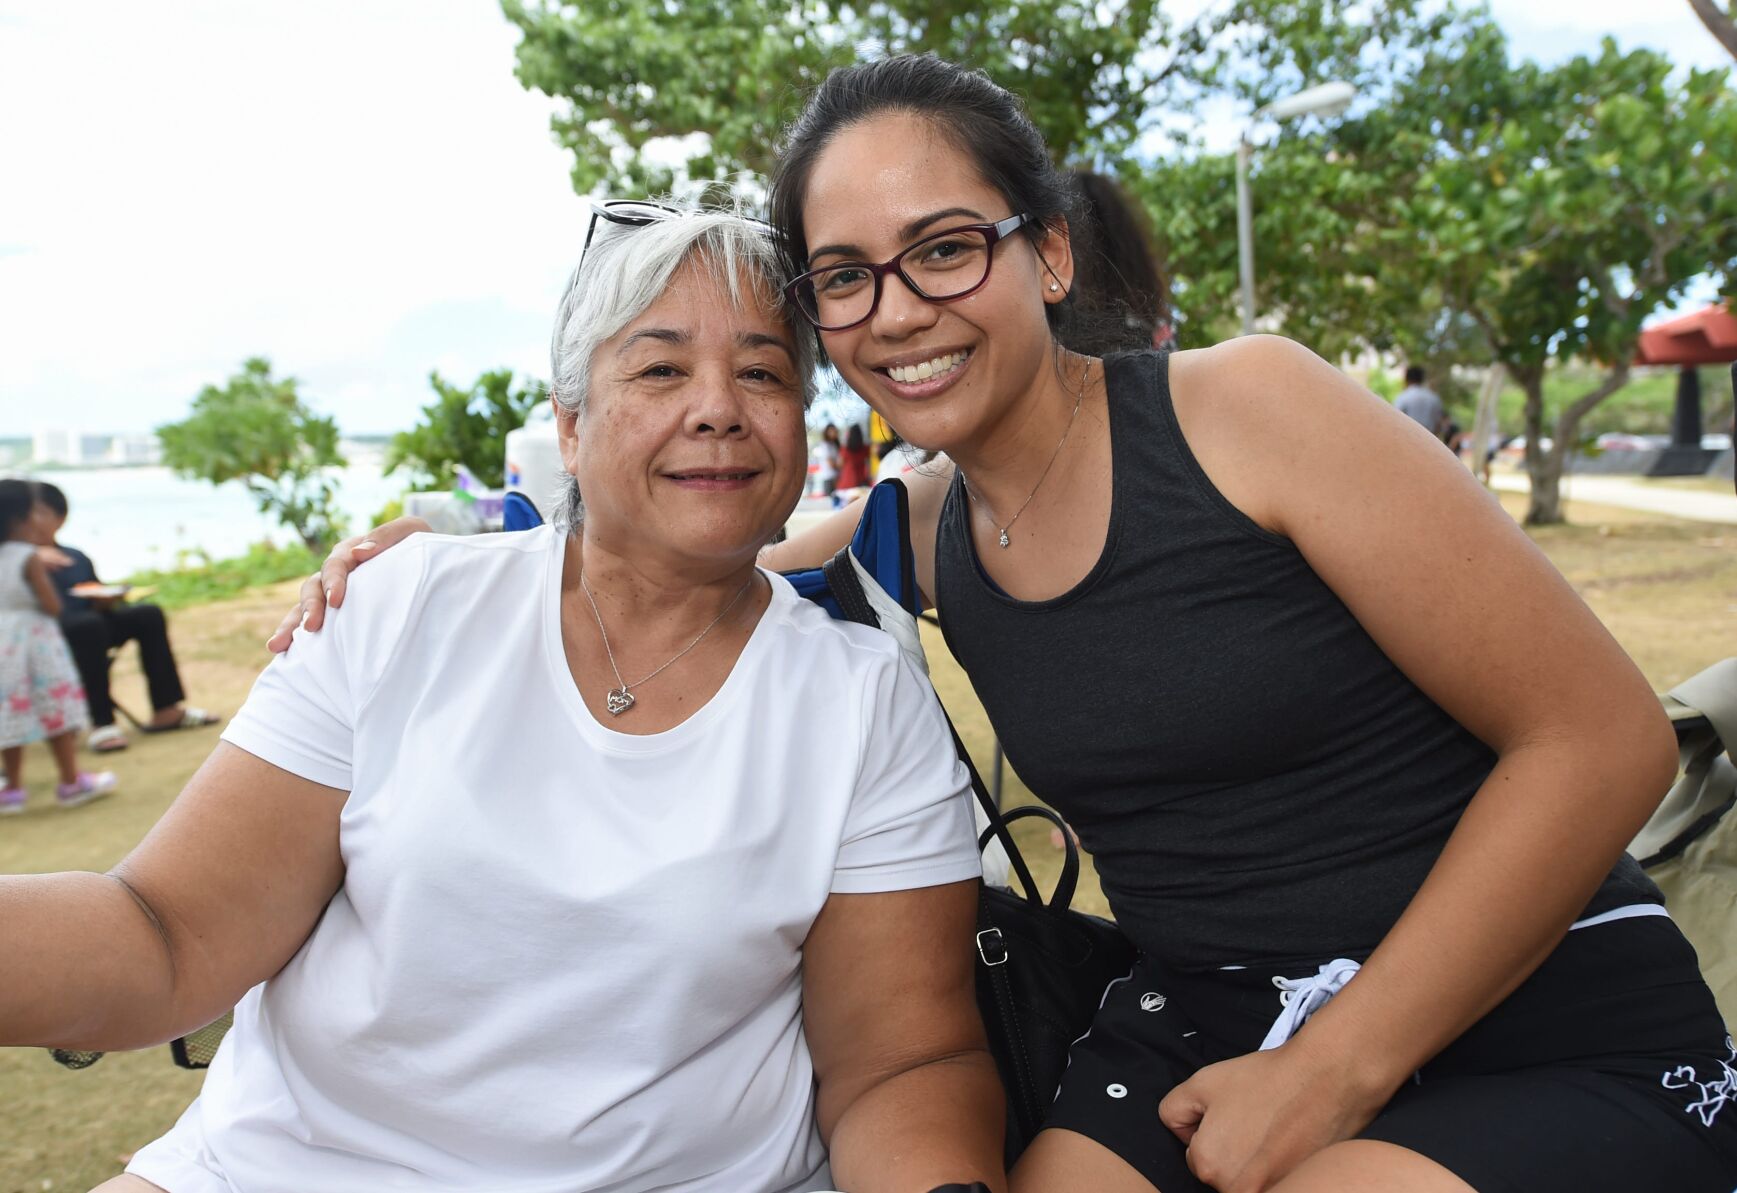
pixel 1707 337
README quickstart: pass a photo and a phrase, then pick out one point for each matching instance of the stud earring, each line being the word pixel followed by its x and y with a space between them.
pixel 1053 287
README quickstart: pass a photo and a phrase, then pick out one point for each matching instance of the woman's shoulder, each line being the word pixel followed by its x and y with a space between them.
pixel 449 567
pixel 1233 374
pixel 484 554
pixel 827 641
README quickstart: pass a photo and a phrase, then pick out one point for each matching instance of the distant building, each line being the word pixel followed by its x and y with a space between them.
pixel 66 448
pixel 60 445
pixel 134 449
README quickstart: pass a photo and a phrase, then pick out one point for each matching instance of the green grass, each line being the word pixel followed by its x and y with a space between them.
pixel 198 579
pixel 1667 590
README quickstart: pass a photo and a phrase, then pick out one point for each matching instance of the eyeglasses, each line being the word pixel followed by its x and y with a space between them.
pixel 938 268
pixel 637 213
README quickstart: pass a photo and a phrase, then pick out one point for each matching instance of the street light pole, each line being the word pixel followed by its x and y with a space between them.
pixel 1328 99
pixel 1245 233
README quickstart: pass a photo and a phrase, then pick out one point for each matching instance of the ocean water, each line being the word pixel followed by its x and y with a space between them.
pixel 129 519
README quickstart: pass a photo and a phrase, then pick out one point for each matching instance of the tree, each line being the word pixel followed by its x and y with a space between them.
pixel 1560 207
pixel 256 430
pixel 1722 25
pixel 723 77
pixel 465 426
pixel 1519 215
pixel 1322 190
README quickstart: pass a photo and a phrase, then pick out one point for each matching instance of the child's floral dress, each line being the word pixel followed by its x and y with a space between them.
pixel 40 692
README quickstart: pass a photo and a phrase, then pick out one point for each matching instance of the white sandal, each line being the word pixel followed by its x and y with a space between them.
pixel 106 739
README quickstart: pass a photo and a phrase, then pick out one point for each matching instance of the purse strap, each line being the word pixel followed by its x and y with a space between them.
pixel 847 590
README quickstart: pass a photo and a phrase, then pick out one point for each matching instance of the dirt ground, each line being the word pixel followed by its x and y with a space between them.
pixel 1667 590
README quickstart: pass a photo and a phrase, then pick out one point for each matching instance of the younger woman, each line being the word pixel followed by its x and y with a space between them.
pixel 40 695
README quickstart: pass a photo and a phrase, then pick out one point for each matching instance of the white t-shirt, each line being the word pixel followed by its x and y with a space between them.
pixel 825 459
pixel 563 958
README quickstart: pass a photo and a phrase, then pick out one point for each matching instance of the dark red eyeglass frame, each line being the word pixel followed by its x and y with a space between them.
pixel 993 234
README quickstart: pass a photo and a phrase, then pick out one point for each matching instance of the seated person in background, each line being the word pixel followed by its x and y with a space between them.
pixel 540 868
pixel 96 625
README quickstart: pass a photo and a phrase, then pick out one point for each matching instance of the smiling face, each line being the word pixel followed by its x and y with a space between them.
pixel 941 372
pixel 691 443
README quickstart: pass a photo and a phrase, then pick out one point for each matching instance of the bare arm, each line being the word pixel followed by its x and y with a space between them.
pixel 54 558
pixel 36 575
pixel 908 1094
pixel 218 896
pixel 326 586
pixel 1462 601
pixel 817 544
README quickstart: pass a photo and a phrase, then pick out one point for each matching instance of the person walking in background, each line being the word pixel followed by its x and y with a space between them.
pixel 823 463
pixel 853 460
pixel 40 695
pixel 95 625
pixel 1420 403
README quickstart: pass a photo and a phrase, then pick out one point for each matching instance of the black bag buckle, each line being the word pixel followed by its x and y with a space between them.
pixel 998 947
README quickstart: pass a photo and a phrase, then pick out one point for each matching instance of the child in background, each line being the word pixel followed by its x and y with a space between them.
pixel 40 695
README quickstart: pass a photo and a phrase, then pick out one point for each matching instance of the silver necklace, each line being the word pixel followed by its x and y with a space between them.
pixel 620 697
pixel 1066 431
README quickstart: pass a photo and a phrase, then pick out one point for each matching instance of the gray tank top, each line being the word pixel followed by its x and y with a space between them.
pixel 1255 780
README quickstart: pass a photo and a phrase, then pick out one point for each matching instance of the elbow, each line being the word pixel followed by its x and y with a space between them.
pixel 1656 757
pixel 1633 762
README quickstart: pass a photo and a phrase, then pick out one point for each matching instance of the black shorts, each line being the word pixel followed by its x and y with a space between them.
pixel 1608 1070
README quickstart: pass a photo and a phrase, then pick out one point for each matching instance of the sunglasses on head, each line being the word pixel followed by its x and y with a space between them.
pixel 636 213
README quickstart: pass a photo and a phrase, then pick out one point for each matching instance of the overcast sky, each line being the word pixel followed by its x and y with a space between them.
pixel 358 189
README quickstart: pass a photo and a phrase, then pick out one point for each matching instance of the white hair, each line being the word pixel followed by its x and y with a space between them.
pixel 628 267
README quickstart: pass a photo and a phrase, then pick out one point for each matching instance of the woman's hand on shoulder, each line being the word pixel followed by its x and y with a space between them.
pixel 325 588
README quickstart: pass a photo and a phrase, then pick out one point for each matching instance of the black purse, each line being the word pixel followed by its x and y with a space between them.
pixel 1041 967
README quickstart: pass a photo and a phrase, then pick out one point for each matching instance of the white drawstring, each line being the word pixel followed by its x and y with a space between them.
pixel 1302 997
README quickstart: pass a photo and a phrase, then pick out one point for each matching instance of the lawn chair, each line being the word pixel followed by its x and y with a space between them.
pixel 1689 847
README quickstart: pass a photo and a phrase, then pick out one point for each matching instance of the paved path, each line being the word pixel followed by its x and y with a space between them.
pixel 1634 494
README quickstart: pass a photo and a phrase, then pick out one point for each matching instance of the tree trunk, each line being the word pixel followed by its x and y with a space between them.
pixel 1542 469
pixel 1546 468
pixel 1719 24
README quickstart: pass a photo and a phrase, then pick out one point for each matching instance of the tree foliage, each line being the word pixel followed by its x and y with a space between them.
pixel 1481 212
pixel 256 430
pixel 465 426
pixel 1561 207
pixel 723 77
pixel 1470 210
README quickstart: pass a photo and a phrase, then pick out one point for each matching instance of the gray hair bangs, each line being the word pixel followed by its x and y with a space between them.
pixel 628 268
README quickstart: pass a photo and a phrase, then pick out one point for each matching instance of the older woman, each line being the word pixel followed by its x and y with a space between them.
pixel 526 872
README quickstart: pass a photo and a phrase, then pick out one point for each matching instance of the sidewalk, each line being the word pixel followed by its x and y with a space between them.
pixel 1634 494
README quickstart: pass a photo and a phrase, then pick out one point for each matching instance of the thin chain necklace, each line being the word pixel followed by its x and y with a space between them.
pixel 1066 431
pixel 620 697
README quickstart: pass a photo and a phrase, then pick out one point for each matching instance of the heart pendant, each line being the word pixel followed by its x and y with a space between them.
pixel 618 701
